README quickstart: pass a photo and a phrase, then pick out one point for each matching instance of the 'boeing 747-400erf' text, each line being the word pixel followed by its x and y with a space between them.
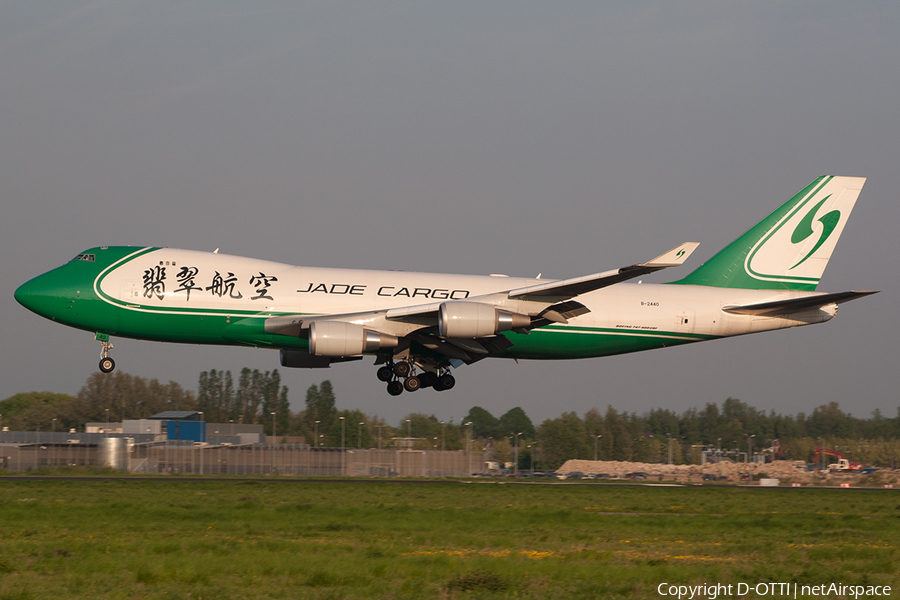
pixel 418 326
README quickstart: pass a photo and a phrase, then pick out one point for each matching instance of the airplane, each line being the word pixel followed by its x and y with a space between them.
pixel 420 326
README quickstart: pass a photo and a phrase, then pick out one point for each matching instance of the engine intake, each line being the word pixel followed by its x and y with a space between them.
pixel 336 338
pixel 475 320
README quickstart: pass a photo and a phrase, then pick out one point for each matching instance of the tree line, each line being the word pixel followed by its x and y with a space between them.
pixel 654 436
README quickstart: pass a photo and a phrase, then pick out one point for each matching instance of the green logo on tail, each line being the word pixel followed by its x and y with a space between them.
pixel 804 228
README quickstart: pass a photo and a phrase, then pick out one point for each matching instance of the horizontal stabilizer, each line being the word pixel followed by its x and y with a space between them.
pixel 792 305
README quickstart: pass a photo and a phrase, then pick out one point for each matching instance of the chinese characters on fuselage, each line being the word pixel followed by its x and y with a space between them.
pixel 155 284
pixel 185 278
pixel 262 283
pixel 221 286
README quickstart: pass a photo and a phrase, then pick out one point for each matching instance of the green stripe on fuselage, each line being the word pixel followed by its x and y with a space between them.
pixel 561 342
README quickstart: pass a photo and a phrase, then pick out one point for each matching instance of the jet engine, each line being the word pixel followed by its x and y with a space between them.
pixel 336 338
pixel 475 320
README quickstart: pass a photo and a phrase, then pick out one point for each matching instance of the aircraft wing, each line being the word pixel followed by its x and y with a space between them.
pixel 792 305
pixel 556 291
pixel 549 302
pixel 569 288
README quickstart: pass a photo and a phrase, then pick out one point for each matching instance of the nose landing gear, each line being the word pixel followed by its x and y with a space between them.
pixel 107 364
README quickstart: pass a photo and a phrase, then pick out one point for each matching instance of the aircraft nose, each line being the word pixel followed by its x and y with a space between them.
pixel 42 295
pixel 27 293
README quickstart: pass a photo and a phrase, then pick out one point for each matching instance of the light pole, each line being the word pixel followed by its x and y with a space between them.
pixel 597 446
pixel 359 437
pixel 343 427
pixel 409 434
pixel 516 464
pixel 531 452
pixel 316 434
pixel 443 428
pixel 468 436
pixel 200 449
pixel 106 430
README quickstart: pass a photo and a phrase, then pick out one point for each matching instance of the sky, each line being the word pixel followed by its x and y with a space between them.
pixel 514 137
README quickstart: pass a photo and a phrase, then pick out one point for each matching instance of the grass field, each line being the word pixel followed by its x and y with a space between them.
pixel 245 539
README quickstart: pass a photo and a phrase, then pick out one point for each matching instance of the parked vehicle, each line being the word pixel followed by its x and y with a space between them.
pixel 842 465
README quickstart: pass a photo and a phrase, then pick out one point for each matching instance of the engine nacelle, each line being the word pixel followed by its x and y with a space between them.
pixel 336 338
pixel 474 320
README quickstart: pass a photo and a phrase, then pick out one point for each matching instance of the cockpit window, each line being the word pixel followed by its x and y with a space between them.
pixel 87 257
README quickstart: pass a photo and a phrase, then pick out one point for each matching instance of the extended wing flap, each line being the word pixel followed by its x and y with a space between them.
pixel 569 288
pixel 792 305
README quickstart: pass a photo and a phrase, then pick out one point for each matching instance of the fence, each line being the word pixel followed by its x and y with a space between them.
pixel 253 459
pixel 22 458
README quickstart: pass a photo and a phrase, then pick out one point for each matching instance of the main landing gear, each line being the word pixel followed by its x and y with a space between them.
pixel 107 364
pixel 392 373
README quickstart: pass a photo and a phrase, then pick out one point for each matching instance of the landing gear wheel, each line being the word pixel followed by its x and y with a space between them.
pixel 385 374
pixel 107 364
pixel 412 383
pixel 402 369
pixel 445 382
pixel 395 388
pixel 428 379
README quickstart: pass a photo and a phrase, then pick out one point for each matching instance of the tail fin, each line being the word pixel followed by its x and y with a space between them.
pixel 789 249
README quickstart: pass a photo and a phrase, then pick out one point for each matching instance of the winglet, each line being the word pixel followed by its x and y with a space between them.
pixel 674 257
